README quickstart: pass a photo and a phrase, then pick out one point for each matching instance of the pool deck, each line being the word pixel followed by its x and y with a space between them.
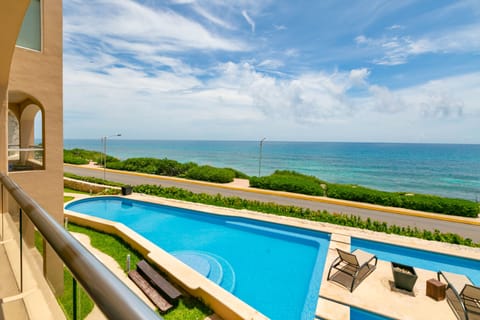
pixel 373 294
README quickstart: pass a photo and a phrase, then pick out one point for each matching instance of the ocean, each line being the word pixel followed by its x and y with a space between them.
pixel 450 170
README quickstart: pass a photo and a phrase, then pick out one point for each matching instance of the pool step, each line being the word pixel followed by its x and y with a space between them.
pixel 211 266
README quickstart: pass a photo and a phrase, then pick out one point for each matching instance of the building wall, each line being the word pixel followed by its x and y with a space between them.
pixel 39 75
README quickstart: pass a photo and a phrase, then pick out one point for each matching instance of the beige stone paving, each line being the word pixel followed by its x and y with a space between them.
pixel 375 294
pixel 239 183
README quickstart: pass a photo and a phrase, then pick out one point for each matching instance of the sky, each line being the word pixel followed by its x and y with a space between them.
pixel 351 70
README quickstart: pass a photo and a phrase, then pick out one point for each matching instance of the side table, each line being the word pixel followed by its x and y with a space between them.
pixel 436 289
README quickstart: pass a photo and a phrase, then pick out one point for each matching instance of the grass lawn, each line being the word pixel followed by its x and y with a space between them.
pixel 188 308
pixel 84 303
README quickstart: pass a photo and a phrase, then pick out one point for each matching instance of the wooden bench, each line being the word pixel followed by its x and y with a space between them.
pixel 152 294
pixel 157 281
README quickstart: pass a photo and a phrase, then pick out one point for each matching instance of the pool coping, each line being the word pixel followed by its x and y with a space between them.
pixel 224 303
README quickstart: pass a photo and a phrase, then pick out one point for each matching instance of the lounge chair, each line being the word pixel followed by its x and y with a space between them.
pixel 462 296
pixel 358 265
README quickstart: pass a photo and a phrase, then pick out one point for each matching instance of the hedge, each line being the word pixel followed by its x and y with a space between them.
pixel 428 203
pixel 303 213
pixel 82 156
pixel 212 174
pixel 290 181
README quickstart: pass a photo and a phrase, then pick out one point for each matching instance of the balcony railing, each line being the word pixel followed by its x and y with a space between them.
pixel 111 295
pixel 23 159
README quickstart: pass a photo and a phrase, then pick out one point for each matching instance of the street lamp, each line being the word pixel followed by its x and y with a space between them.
pixel 104 141
pixel 260 157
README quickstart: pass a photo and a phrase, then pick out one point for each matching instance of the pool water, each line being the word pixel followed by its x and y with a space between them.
pixel 274 268
pixel 359 314
pixel 420 258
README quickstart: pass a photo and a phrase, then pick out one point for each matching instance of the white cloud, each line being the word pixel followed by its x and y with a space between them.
pixel 395 50
pixel 271 64
pixel 292 52
pixel 211 17
pixel 249 20
pixel 396 27
pixel 192 73
pixel 238 97
pixel 358 77
pixel 386 101
pixel 153 29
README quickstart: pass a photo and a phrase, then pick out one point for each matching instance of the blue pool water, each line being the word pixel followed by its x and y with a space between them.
pixel 275 268
pixel 421 259
pixel 359 314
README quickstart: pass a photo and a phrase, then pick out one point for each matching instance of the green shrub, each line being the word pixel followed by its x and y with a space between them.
pixel 74 157
pixel 303 213
pixel 82 156
pixel 238 174
pixel 68 158
pixel 164 167
pixel 289 181
pixel 209 173
pixel 428 203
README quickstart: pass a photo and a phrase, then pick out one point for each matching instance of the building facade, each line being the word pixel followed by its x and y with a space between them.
pixel 31 112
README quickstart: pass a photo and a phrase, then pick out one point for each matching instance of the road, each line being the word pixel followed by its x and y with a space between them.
pixel 453 225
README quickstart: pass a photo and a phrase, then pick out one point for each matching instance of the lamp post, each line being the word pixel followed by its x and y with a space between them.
pixel 260 157
pixel 104 141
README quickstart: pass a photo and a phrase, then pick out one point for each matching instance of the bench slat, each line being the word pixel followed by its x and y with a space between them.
pixel 152 294
pixel 158 281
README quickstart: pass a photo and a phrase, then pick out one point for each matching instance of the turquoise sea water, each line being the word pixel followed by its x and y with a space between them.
pixel 450 170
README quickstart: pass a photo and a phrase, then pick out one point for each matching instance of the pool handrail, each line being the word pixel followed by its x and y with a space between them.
pixel 111 295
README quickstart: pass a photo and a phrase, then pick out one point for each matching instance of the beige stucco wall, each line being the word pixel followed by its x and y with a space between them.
pixel 39 75
pixel 11 18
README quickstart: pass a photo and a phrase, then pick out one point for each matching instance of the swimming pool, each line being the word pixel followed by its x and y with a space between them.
pixel 360 314
pixel 275 268
pixel 421 258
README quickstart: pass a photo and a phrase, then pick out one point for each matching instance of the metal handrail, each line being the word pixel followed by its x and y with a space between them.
pixel 111 295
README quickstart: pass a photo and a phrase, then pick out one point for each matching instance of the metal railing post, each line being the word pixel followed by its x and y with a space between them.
pixel 74 298
pixel 21 250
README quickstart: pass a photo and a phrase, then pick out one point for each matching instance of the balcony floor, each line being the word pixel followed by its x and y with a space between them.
pixel 10 306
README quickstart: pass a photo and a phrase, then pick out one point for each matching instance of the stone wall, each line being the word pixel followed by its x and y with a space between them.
pixel 85 186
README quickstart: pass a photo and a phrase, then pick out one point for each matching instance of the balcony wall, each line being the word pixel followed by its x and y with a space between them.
pixel 36 77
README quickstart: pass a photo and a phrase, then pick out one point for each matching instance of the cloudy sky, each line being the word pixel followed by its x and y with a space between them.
pixel 352 70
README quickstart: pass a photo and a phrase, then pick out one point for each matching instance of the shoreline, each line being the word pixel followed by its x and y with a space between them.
pixel 388 167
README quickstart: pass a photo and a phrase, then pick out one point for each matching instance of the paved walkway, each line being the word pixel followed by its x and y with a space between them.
pixel 466 227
